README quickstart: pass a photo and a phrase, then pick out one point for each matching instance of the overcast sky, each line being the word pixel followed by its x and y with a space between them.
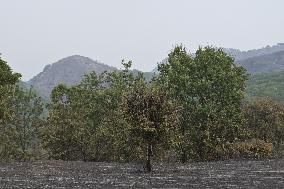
pixel 34 33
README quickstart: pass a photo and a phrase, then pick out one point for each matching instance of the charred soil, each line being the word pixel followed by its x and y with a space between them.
pixel 220 174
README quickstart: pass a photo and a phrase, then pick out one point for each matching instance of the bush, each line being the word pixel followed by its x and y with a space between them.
pixel 254 148
pixel 265 121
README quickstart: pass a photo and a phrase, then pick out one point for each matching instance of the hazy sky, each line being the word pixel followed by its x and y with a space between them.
pixel 34 33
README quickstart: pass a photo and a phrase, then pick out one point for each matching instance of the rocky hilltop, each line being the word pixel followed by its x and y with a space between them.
pixel 68 70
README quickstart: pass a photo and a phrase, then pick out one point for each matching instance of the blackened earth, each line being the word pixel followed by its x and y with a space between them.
pixel 221 174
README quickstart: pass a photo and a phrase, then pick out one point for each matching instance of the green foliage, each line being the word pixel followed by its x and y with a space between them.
pixel 7 77
pixel 210 87
pixel 7 80
pixel 20 112
pixel 192 111
pixel 20 137
pixel 61 131
pixel 266 85
pixel 84 121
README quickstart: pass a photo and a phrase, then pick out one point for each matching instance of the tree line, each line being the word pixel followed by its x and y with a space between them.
pixel 193 110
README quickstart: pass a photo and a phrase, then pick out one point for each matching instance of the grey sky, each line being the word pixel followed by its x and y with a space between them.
pixel 34 33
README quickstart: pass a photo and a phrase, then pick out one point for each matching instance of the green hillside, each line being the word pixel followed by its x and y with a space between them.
pixel 266 84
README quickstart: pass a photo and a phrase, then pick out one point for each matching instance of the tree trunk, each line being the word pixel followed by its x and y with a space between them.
pixel 149 154
pixel 183 151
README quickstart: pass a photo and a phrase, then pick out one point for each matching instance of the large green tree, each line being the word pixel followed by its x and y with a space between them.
pixel 211 88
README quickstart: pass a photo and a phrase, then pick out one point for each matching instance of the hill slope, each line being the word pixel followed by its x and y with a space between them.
pixel 266 84
pixel 69 71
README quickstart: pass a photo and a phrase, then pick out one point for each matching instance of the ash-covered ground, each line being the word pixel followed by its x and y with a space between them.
pixel 221 174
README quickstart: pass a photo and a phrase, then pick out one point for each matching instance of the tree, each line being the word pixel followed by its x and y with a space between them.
pixel 63 133
pixel 20 133
pixel 153 117
pixel 7 79
pixel 84 121
pixel 211 88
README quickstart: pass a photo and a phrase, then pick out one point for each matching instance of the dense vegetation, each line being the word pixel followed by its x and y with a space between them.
pixel 193 110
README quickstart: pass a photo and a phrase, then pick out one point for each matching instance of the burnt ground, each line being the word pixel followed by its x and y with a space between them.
pixel 221 174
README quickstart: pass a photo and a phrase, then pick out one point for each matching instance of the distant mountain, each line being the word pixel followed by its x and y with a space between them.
pixel 242 55
pixel 264 63
pixel 266 85
pixel 68 70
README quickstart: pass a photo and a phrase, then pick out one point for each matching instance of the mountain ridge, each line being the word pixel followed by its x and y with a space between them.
pixel 264 63
pixel 242 55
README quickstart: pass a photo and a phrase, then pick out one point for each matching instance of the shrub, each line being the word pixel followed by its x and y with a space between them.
pixel 265 121
pixel 254 148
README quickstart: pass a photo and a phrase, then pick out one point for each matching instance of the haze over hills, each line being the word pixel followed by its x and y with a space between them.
pixel 71 70
pixel 264 63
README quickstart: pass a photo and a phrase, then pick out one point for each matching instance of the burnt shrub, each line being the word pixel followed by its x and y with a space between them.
pixel 253 148
pixel 264 120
